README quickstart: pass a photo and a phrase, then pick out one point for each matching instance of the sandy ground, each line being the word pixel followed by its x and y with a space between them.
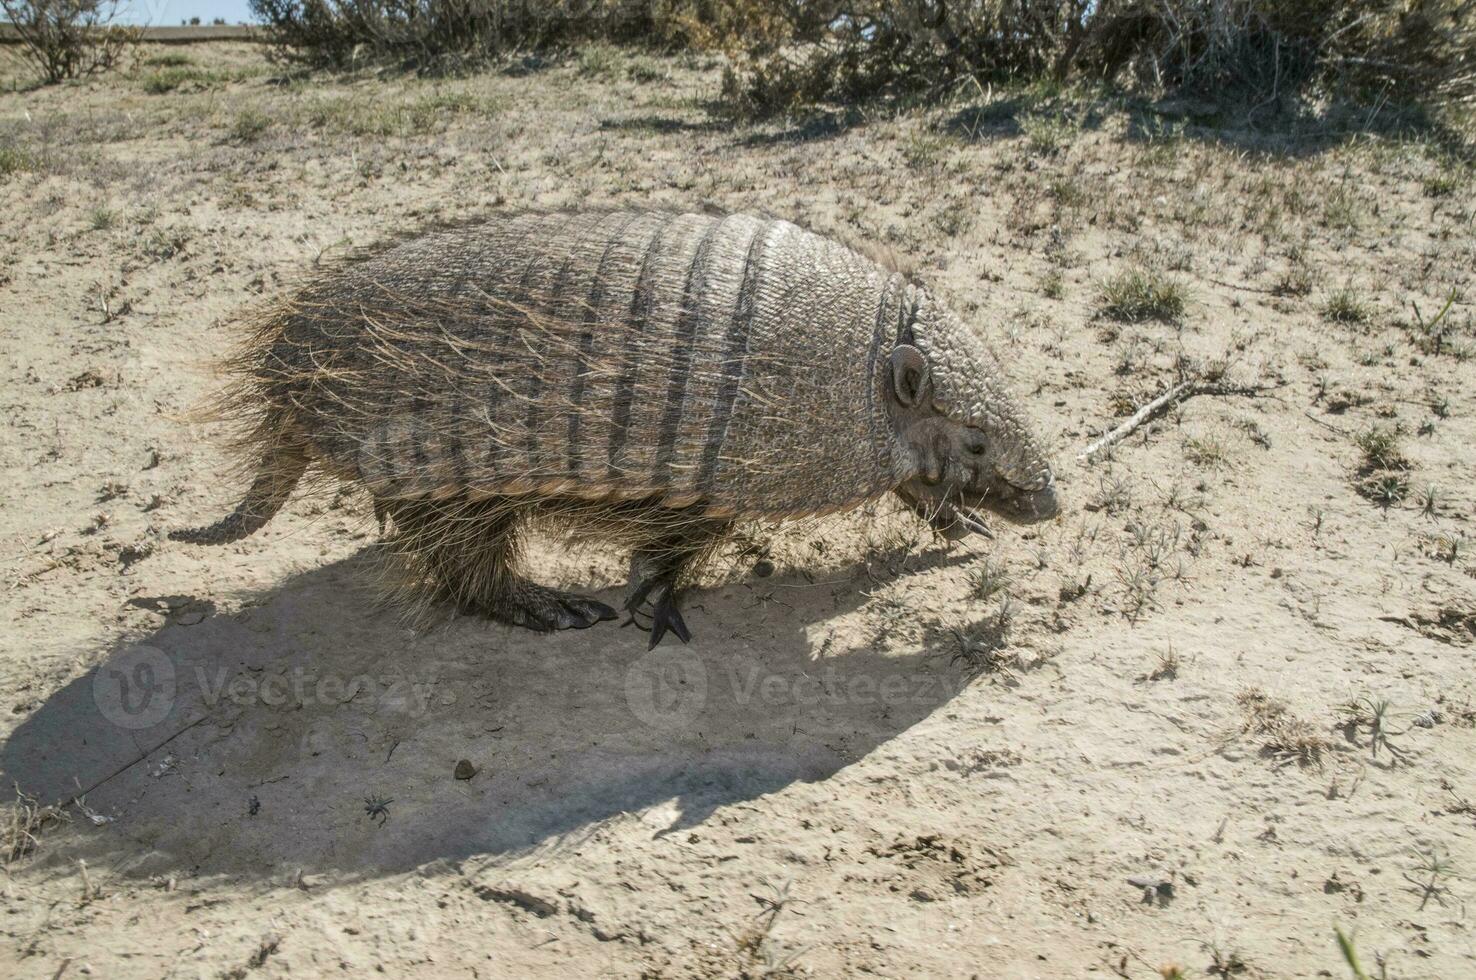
pixel 1158 751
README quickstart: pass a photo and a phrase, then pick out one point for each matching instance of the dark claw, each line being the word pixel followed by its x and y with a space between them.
pixel 667 616
pixel 664 613
pixel 636 601
pixel 589 612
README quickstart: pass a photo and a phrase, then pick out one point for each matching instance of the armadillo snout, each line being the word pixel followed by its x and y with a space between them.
pixel 1029 507
pixel 1017 505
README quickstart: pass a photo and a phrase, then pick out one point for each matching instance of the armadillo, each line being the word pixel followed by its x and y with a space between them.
pixel 646 377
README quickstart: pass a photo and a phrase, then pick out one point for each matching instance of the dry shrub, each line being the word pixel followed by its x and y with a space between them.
pixel 442 34
pixel 1416 50
pixel 791 53
pixel 69 38
pixel 877 48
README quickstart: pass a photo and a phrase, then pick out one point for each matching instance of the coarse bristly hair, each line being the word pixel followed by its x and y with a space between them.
pixel 433 554
pixel 433 550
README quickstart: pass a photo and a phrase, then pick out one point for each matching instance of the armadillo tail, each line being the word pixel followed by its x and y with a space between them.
pixel 275 478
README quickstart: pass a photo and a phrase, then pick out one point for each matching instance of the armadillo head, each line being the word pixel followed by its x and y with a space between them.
pixel 967 445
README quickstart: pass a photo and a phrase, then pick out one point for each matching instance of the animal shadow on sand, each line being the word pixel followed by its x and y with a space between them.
pixel 261 740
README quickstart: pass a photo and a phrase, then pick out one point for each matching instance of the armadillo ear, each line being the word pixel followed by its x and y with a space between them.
pixel 909 375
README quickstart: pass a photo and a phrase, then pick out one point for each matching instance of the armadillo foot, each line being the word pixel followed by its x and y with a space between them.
pixel 665 615
pixel 546 610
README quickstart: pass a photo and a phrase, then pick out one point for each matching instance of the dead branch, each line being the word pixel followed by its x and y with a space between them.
pixel 1182 391
pixel 1325 424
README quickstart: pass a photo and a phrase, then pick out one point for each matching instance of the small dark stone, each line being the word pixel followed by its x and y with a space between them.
pixel 465 770
pixel 763 568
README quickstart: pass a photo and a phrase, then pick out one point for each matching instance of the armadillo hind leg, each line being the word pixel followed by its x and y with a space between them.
pixel 661 568
pixel 467 552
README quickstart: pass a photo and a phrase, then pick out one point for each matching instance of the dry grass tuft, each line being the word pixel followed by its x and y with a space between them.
pixel 21 828
pixel 1142 294
pixel 1383 474
pixel 1346 306
pixel 1380 447
pixel 14 160
pixel 1282 734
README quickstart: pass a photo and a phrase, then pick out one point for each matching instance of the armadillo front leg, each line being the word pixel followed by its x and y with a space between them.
pixel 662 567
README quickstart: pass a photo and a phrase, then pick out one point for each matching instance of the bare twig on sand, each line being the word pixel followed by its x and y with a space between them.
pixel 1326 424
pixel 1180 392
pixel 82 794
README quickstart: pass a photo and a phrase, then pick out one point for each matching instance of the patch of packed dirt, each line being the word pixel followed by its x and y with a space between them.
pixel 1219 707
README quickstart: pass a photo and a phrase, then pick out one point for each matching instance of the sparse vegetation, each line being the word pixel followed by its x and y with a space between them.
pixel 1114 495
pixel 392 117
pixel 1345 306
pixel 174 77
pixel 984 648
pixel 1207 451
pixel 1046 134
pixel 1142 294
pixel 14 160
pixel 168 59
pixel 1383 472
pixel 1167 666
pixel 1224 963
pixel 22 824
pixel 1428 877
pixel 1282 735
pixel 1442 184
pixel 249 125
pixel 166 243
pixel 1429 502
pixel 1381 449
pixel 1385 488
pixel 988 578
pixel 1433 335
pixel 1343 210
pixel 1139 580
pixel 1371 714
pixel 1295 280
pixel 101 218
pixel 160 82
